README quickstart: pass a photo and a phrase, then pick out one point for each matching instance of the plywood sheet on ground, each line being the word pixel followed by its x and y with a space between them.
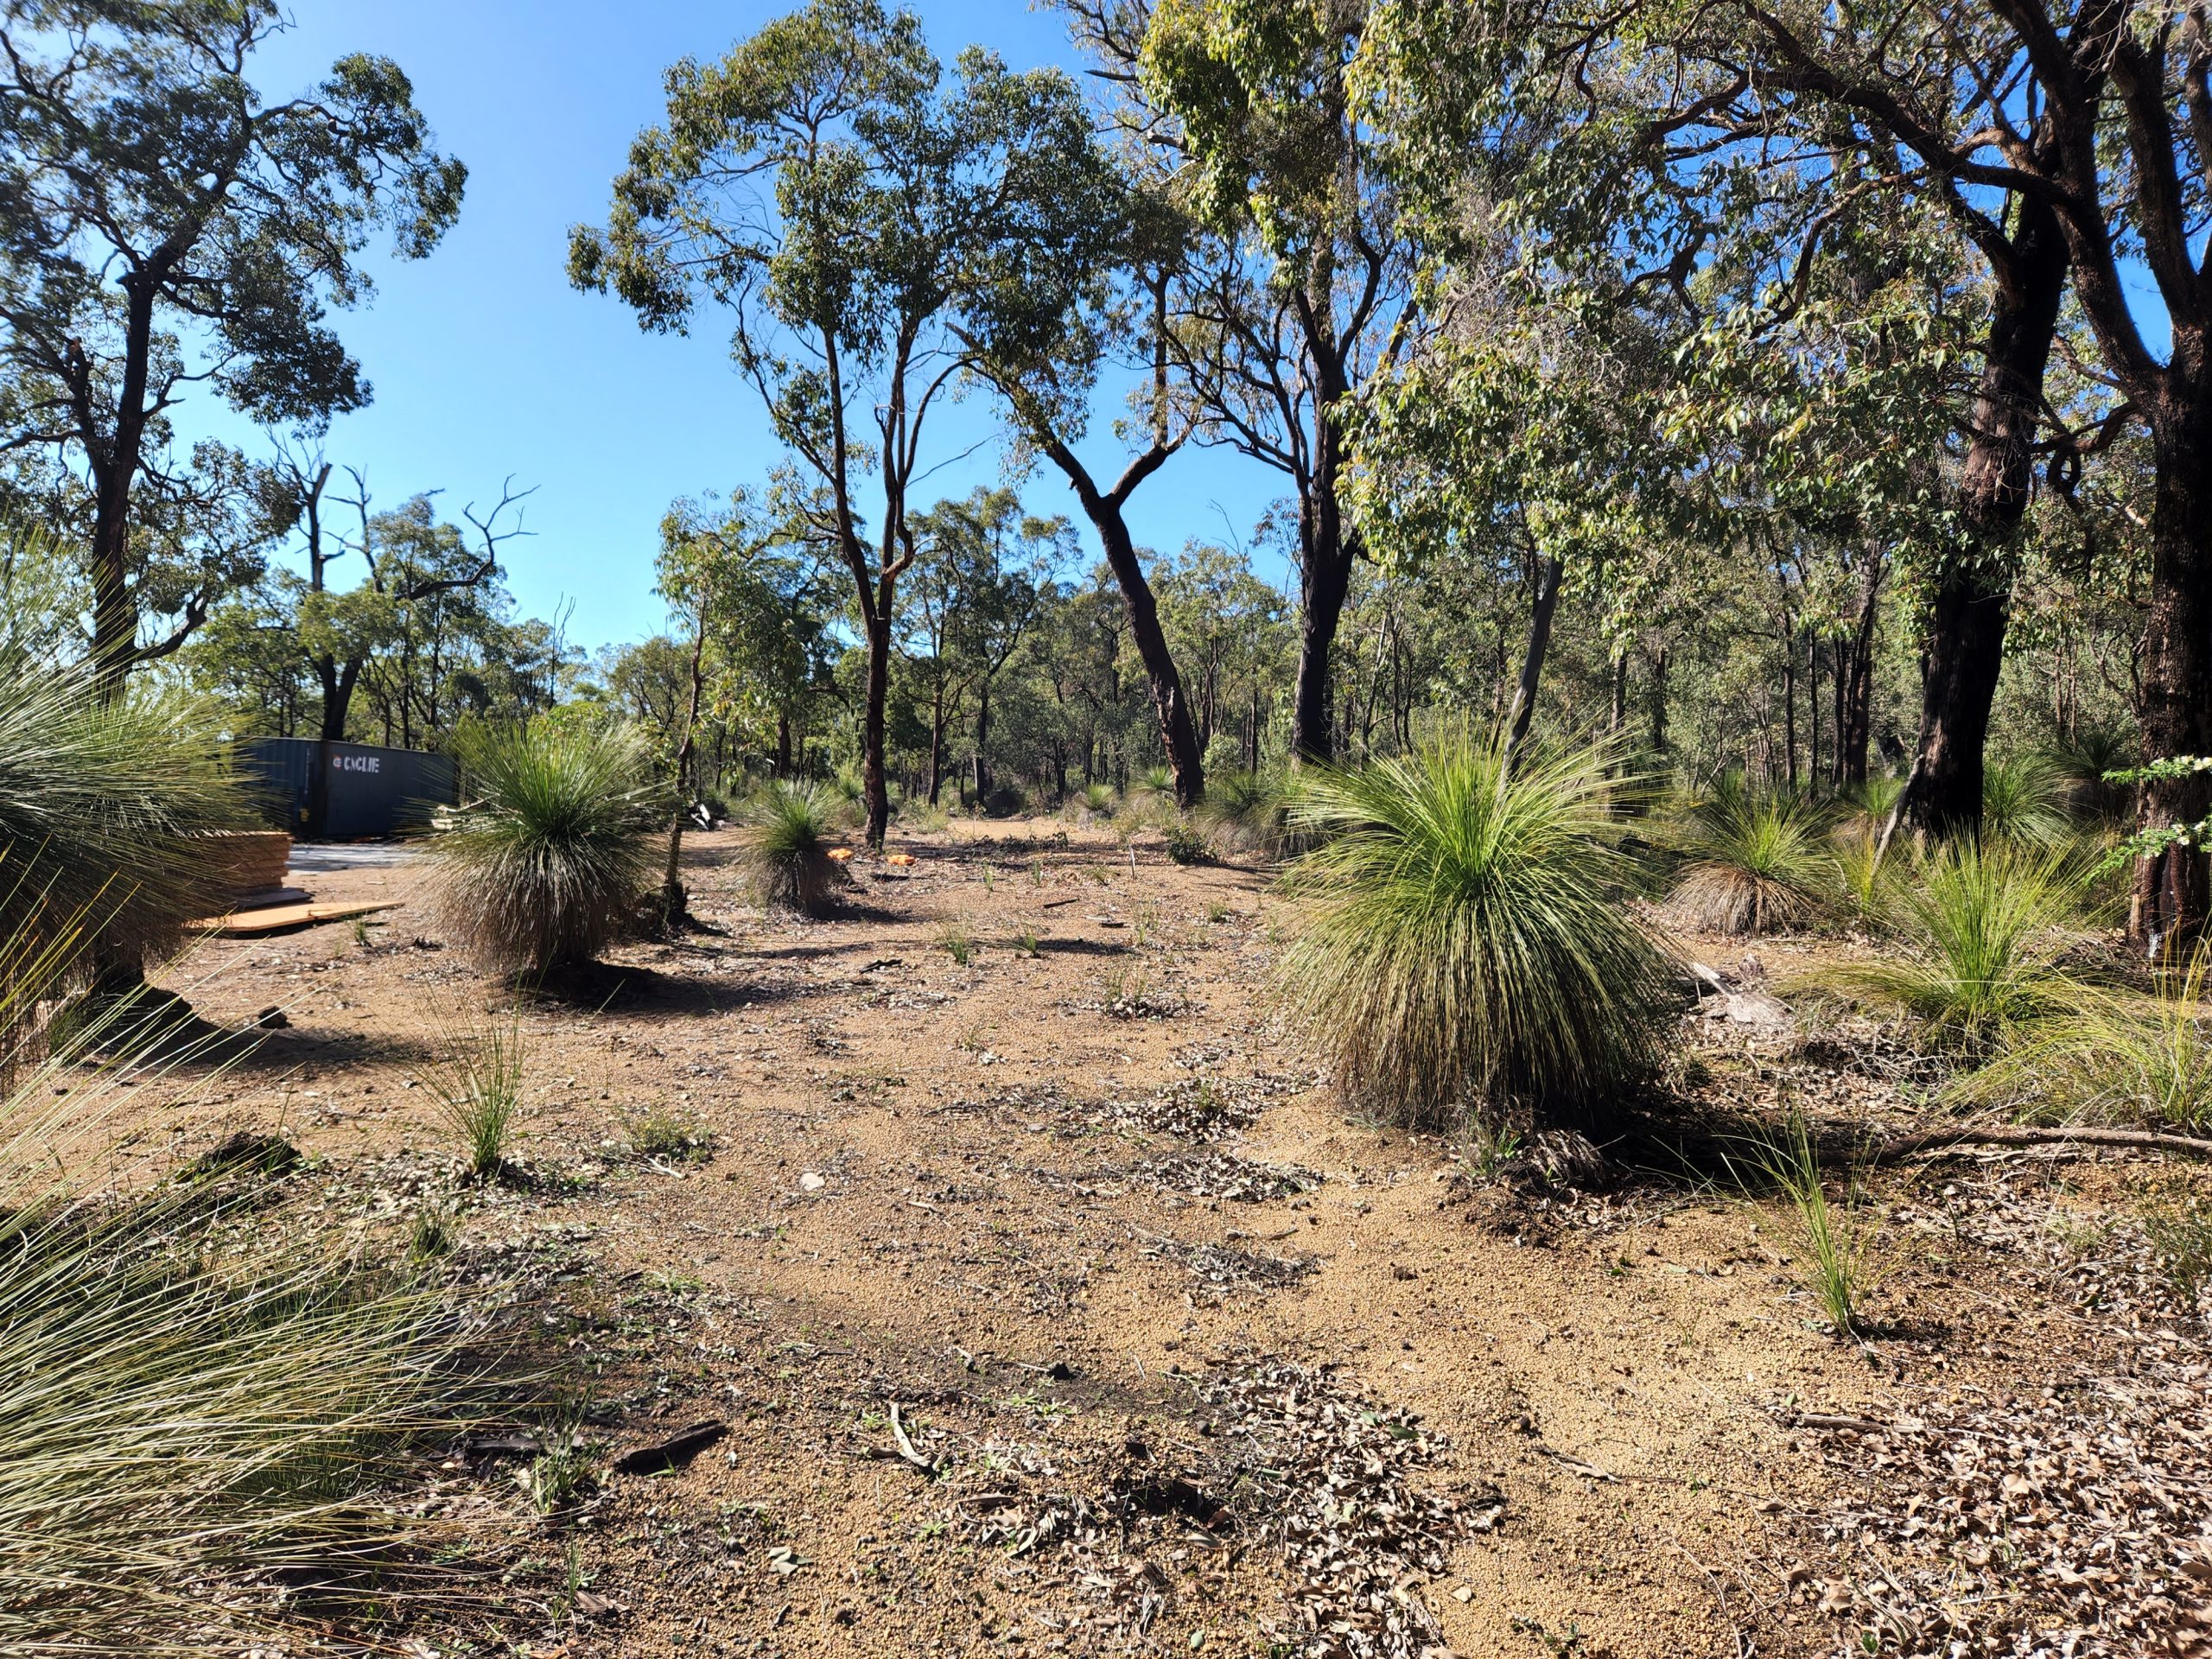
pixel 277 919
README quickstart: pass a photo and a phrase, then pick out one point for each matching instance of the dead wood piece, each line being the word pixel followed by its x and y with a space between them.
pixel 674 1452
pixel 1942 1141
pixel 908 1451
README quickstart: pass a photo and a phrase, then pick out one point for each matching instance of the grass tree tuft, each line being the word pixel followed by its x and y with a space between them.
pixel 1983 926
pixel 1759 861
pixel 1461 938
pixel 546 866
pixel 787 837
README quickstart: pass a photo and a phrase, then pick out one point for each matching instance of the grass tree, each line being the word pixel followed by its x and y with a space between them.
pixel 1758 862
pixel 1462 941
pixel 102 803
pixel 547 863
pixel 787 837
pixel 1983 926
pixel 181 1415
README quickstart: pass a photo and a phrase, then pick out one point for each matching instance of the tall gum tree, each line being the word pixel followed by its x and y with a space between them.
pixel 2091 126
pixel 163 226
pixel 1122 315
pixel 861 221
pixel 1253 93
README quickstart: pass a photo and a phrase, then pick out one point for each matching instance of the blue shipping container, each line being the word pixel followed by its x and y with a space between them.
pixel 372 792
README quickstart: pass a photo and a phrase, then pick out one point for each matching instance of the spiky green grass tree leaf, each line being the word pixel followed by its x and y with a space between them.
pixel 2023 800
pixel 787 836
pixel 1462 938
pixel 546 866
pixel 1983 926
pixel 1759 861
pixel 190 1408
pixel 103 807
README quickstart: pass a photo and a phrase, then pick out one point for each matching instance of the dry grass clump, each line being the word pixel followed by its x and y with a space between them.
pixel 546 866
pixel 787 837
pixel 1462 940
pixel 2113 1057
pixel 1759 861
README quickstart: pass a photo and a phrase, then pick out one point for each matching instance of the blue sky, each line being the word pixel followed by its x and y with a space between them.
pixel 486 363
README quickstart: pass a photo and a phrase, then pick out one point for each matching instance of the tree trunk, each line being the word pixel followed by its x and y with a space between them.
pixel 982 775
pixel 875 787
pixel 1854 683
pixel 2171 899
pixel 1328 578
pixel 1177 736
pixel 1548 573
pixel 1619 722
pixel 937 744
pixel 1658 697
pixel 1965 647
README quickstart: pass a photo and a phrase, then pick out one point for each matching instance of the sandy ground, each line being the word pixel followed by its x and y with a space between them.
pixel 1046 1304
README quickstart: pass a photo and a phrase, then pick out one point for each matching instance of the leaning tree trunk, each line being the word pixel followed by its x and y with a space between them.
pixel 1965 649
pixel 1548 573
pixel 2171 899
pixel 1177 736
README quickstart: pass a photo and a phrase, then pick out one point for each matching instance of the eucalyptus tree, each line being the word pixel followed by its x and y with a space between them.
pixel 2091 126
pixel 862 221
pixel 1315 297
pixel 1675 137
pixel 163 226
pixel 1141 267
pixel 723 573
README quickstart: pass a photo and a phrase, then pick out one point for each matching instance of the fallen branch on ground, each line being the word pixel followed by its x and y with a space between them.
pixel 1937 1140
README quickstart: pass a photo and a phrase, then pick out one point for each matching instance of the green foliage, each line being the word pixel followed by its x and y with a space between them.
pixel 545 865
pixel 787 836
pixel 1462 941
pixel 478 1085
pixel 1249 810
pixel 1185 845
pixel 1760 860
pixel 1984 926
pixel 670 1136
pixel 957 939
pixel 1836 1242
pixel 103 807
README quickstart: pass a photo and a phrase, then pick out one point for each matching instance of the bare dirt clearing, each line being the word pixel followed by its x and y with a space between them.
pixel 1049 1305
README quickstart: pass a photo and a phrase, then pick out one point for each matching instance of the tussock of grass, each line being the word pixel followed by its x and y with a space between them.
pixel 546 866
pixel 1983 927
pixel 2108 1057
pixel 1836 1241
pixel 1461 938
pixel 1759 861
pixel 101 807
pixel 2023 798
pixel 788 832
pixel 1249 811
pixel 477 1086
